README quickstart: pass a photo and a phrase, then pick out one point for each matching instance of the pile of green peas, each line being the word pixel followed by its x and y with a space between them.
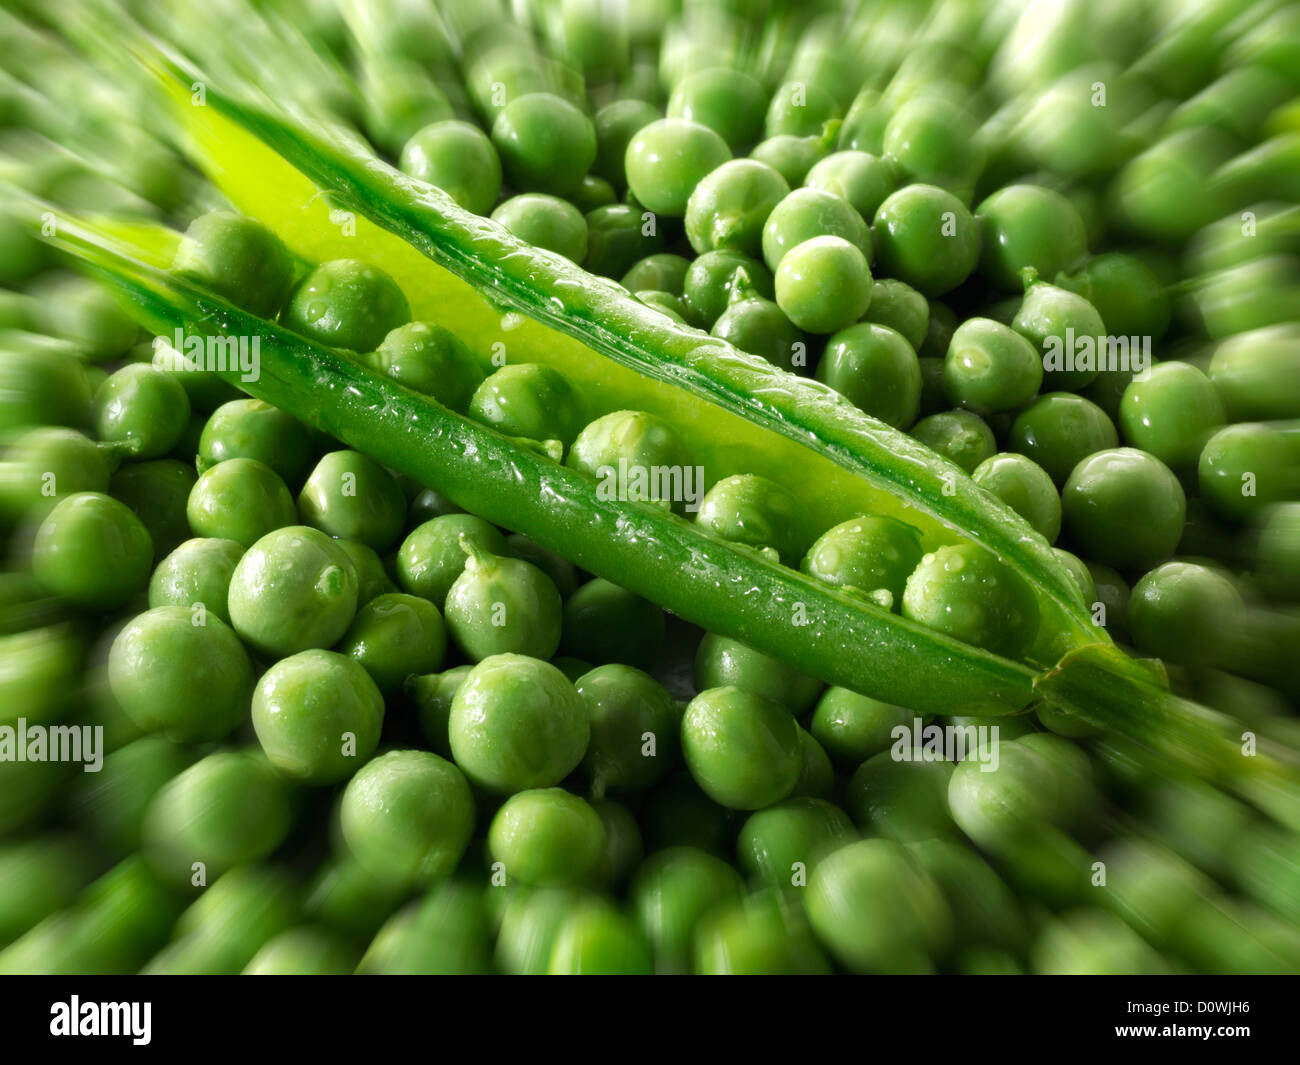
pixel 260 616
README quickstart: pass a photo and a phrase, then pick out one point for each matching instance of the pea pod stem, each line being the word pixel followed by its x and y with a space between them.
pixel 1105 688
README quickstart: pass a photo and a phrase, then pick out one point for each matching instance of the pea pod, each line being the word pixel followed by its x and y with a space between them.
pixel 326 196
pixel 647 549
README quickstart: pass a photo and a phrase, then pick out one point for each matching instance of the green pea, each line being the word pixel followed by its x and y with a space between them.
pixel 965 592
pixel 40 386
pixel 432 695
pixel 989 367
pixel 350 496
pixel 665 303
pixel 447 933
pixel 1124 508
pixel 853 727
pixel 546 222
pixel 1028 226
pixel 727 101
pixel 546 143
pixel 1127 293
pixel 303 952
pixel 407 817
pixel 1113 598
pixel 598 940
pixel 626 450
pixel 1254 371
pixel 901 308
pixel 92 551
pixel 616 124
pixel 592 193
pixel 666 159
pixel 240 259
pixel 225 810
pixel 529 400
pixel 502 606
pixel 112 803
pixel 799 109
pixel 294 589
pixel 251 429
pixel 748 509
pixel 604 623
pixel 529 924
pixel 517 723
pixel 903 800
pixel 926 238
pixel 1026 488
pixel 758 326
pixel 742 749
pixel 938 334
pixel 317 715
pixel 931 140
pixel 165 654
pixel 876 369
pixel 713 278
pixel 758 936
pixel 864 124
pixel 859 178
pixel 1277 553
pixel 1169 411
pixel 1060 430
pixel 546 837
pixel 623 849
pixel 634 726
pixel 228 924
pixel 1165 194
pixel 427 358
pixel 51 462
pixel 142 409
pixel 807 213
pixel 394 636
pixel 1057 322
pixel 790 156
pixel 37 878
pixel 823 284
pixel 457 158
pixel 728 209
pixel 875 910
pixel 671 893
pixel 661 272
pixel 1179 611
pixel 431 558
pixel 158 494
pixel 780 844
pixel 872 555
pixel 346 304
pixel 817 775
pixel 994 807
pixel 428 505
pixel 958 435
pixel 89 316
pixel 372 579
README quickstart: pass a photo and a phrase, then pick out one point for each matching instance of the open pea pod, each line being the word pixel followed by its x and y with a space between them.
pixel 327 196
pixel 719 585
